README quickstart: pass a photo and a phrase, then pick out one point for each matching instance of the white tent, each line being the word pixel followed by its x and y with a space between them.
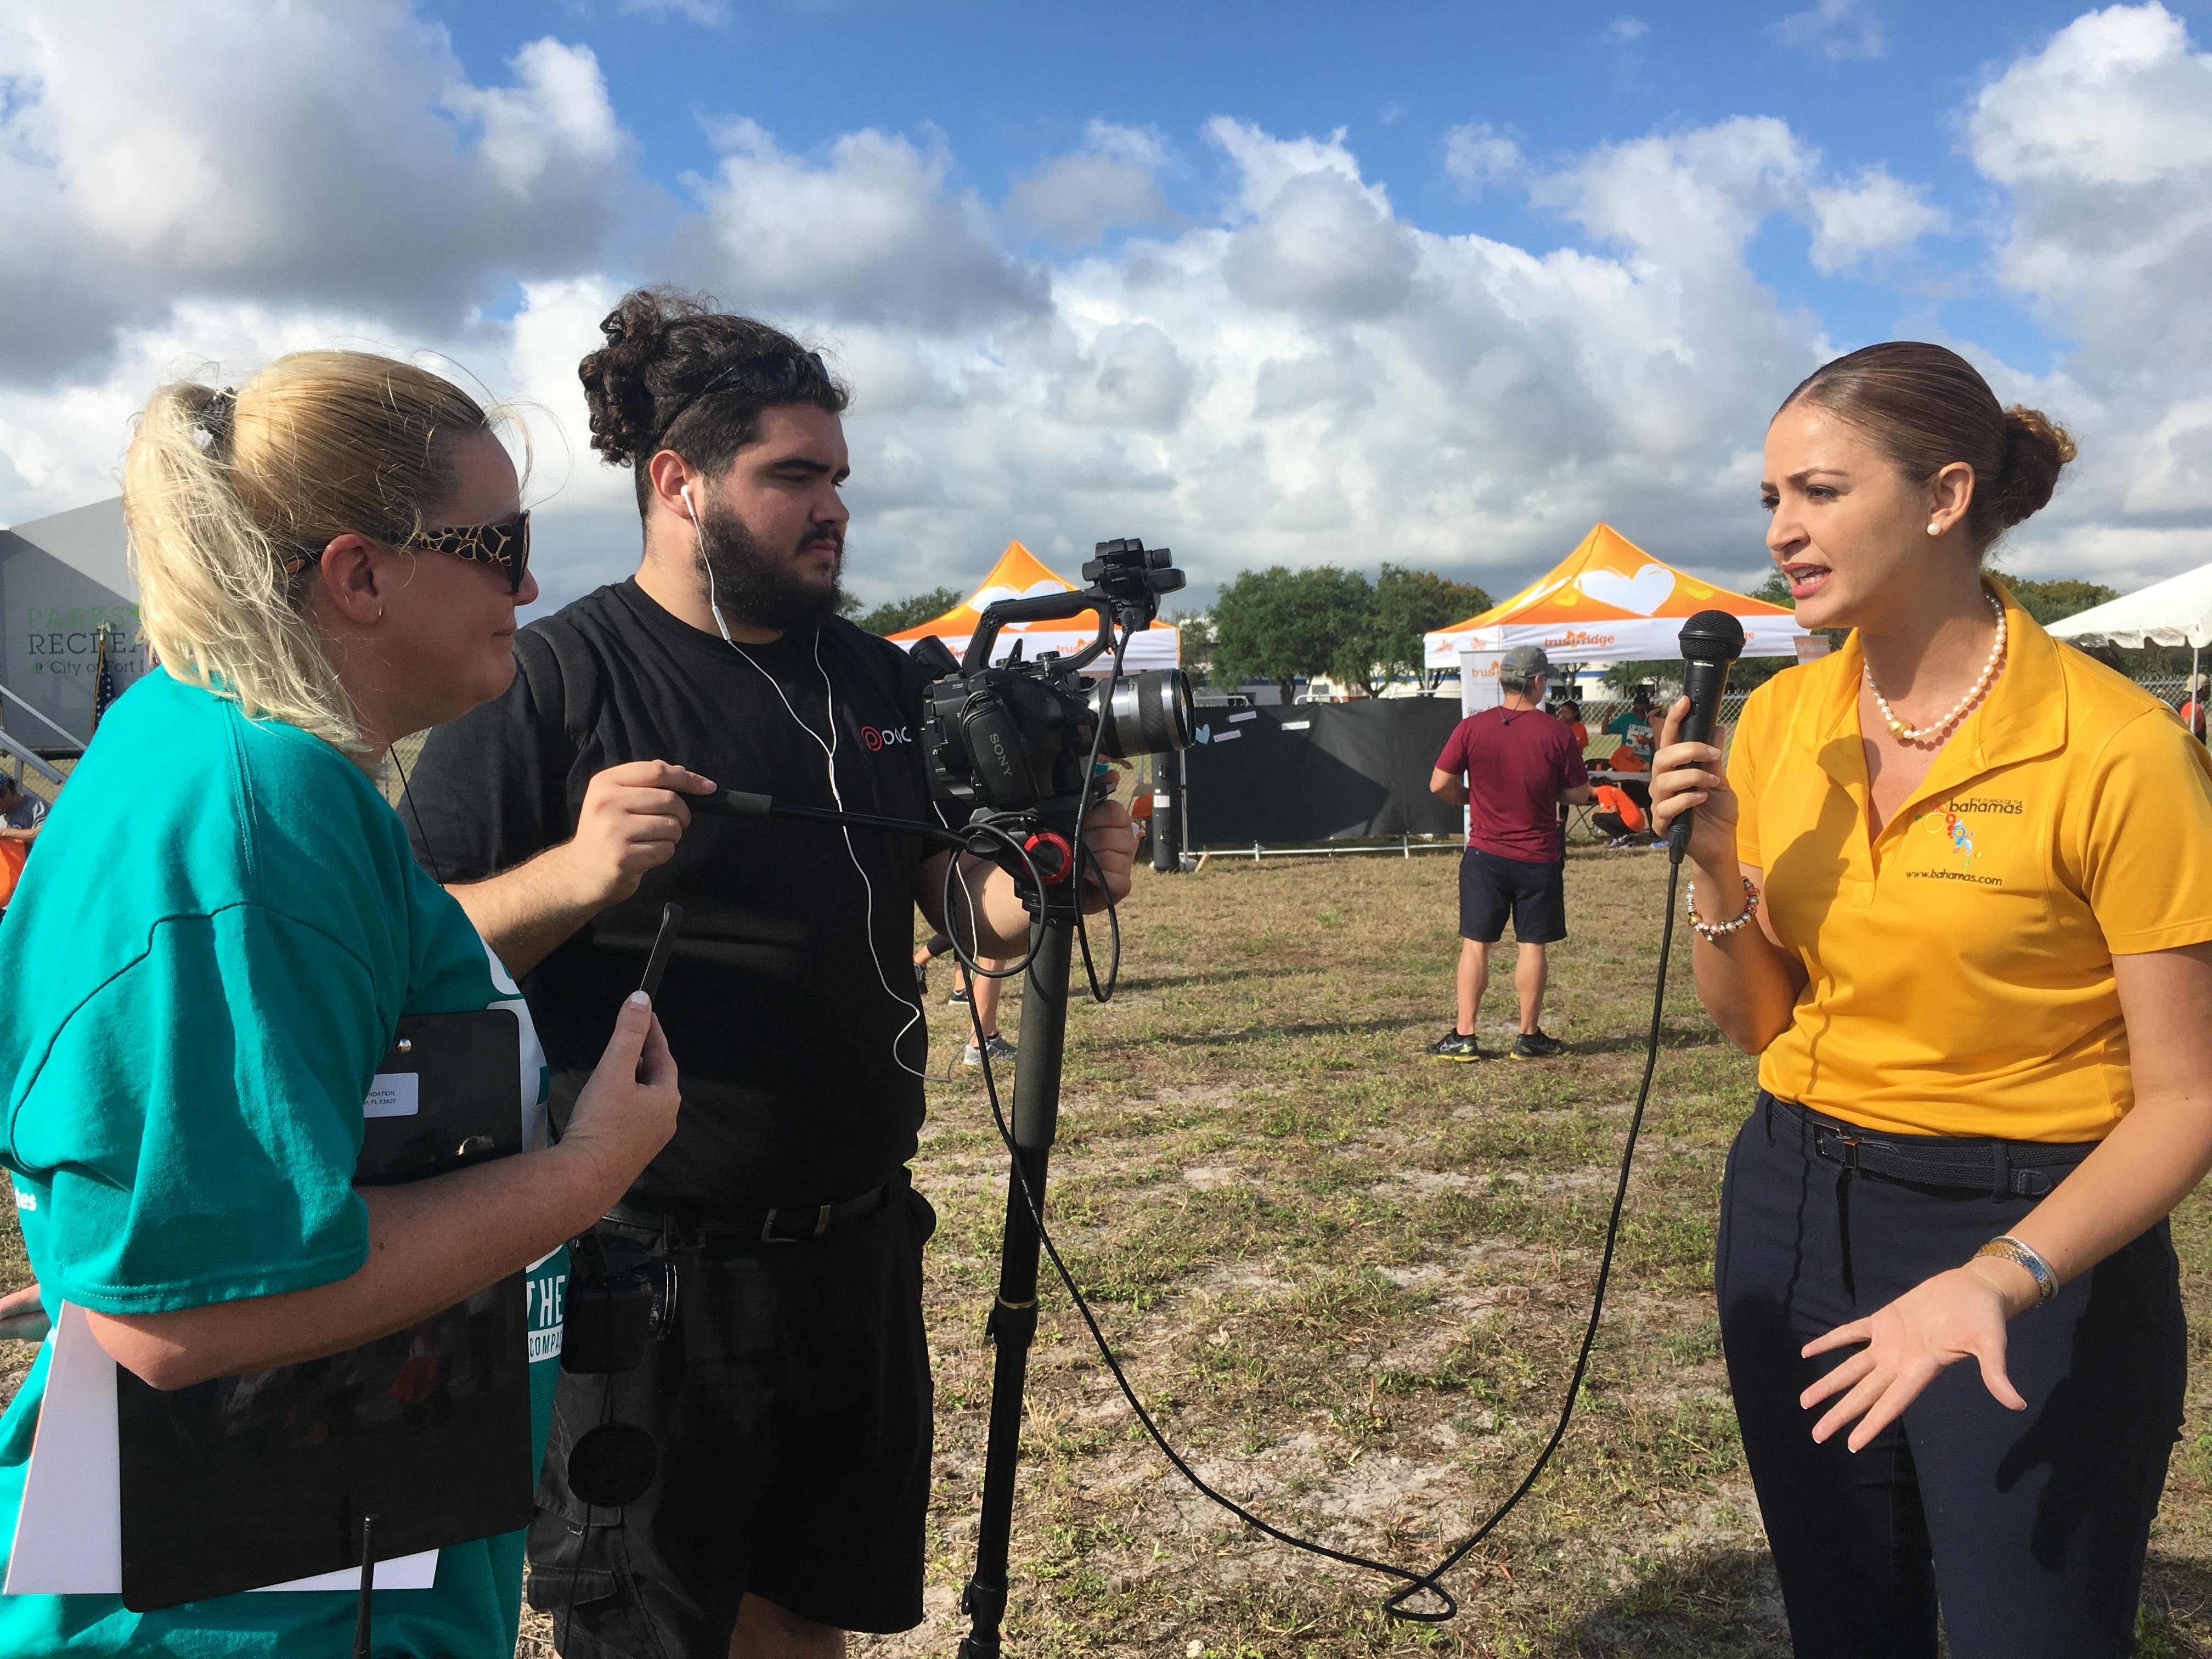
pixel 2175 612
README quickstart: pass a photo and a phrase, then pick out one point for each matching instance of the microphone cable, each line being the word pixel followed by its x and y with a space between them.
pixel 1413 1584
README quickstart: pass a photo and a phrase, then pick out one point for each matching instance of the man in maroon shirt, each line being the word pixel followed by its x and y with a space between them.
pixel 1510 766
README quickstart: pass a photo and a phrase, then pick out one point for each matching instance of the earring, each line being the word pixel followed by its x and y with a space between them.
pixel 1935 529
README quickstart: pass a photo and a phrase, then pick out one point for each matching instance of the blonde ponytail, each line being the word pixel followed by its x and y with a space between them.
pixel 230 501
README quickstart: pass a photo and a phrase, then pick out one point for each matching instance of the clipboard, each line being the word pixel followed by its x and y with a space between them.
pixel 260 1481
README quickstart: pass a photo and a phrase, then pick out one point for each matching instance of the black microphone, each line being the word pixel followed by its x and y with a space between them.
pixel 1712 639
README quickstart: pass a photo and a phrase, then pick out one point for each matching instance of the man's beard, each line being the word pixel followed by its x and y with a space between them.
pixel 761 589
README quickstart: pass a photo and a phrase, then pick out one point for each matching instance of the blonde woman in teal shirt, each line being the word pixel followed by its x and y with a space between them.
pixel 207 959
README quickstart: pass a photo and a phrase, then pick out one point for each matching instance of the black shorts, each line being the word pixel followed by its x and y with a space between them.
pixel 1492 887
pixel 791 1403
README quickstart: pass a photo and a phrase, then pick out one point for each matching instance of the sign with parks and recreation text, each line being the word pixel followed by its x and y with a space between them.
pixel 62 579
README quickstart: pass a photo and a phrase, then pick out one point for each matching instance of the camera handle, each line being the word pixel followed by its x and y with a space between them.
pixel 1045 607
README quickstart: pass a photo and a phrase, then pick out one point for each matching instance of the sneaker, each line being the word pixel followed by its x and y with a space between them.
pixel 1453 1046
pixel 994 1045
pixel 1619 841
pixel 958 998
pixel 1534 1045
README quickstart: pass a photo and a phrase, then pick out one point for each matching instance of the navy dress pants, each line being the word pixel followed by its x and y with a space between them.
pixel 2029 1527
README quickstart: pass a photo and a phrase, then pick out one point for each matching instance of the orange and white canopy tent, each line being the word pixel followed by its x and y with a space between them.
pixel 1019 574
pixel 1610 601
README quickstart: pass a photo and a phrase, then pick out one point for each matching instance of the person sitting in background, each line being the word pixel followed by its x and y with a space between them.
pixel 1618 817
pixel 22 814
pixel 1636 730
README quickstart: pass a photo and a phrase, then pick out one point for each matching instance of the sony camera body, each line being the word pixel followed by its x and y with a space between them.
pixel 1014 741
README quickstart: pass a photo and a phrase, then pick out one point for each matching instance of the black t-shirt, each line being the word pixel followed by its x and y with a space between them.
pixel 775 1002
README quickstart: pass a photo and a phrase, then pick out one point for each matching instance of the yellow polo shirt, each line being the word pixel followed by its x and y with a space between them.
pixel 1959 964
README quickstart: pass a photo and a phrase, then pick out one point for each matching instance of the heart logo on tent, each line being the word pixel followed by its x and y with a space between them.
pixel 985 597
pixel 1640 594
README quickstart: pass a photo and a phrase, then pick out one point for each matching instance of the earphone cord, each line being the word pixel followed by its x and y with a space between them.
pixel 1414 1584
pixel 408 795
pixel 830 754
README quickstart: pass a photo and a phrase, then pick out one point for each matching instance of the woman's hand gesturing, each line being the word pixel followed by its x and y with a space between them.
pixel 1688 774
pixel 1936 1323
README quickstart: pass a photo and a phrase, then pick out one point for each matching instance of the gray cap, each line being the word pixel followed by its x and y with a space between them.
pixel 1523 663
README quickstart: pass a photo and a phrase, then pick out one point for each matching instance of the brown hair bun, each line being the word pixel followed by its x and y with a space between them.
pixel 2035 447
pixel 665 380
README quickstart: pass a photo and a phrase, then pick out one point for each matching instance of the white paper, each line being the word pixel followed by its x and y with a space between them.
pixel 1297 726
pixel 1225 737
pixel 1249 715
pixel 69 1536
pixel 394 1094
pixel 417 1571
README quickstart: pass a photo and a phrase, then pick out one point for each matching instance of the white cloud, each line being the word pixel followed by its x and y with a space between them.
pixel 2103 139
pixel 1840 30
pixel 345 159
pixel 874 233
pixel 1623 30
pixel 1872 213
pixel 1073 201
pixel 709 14
pixel 1478 158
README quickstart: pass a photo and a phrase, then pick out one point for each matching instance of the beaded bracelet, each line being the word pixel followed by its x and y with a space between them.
pixel 1713 933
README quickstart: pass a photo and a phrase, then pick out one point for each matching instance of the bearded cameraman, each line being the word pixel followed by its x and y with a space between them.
pixel 791 1397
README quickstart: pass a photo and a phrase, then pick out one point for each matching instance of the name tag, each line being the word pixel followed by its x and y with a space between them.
pixel 394 1094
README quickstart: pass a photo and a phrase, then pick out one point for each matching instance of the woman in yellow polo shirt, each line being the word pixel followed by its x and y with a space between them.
pixel 1956 891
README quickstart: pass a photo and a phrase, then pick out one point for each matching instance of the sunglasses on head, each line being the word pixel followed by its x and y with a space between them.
pixel 506 546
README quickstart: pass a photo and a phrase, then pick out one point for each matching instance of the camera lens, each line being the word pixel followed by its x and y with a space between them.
pixel 1147 714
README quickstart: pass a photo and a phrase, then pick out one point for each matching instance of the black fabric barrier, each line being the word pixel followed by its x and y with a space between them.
pixel 1318 772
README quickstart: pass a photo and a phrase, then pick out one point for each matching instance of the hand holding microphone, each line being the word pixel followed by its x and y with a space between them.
pixel 1689 792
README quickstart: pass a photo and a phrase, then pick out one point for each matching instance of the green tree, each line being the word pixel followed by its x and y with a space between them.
pixel 1194 630
pixel 1407 604
pixel 1277 625
pixel 2052 601
pixel 915 608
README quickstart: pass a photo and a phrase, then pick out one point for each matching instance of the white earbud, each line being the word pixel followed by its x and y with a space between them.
pixel 699 534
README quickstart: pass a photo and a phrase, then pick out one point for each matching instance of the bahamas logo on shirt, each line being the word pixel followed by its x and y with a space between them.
pixel 1949 826
pixel 1954 823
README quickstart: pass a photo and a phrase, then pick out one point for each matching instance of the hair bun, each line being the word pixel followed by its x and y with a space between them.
pixel 2035 448
pixel 615 385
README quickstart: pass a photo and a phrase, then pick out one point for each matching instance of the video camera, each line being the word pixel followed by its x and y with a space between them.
pixel 1013 744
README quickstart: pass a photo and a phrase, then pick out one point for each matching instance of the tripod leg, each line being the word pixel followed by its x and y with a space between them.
pixel 1014 1315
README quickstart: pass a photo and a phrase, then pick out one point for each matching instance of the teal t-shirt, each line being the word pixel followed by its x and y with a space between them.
pixel 203 965
pixel 1635 732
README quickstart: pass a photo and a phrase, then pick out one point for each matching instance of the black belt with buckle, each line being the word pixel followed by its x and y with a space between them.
pixel 2003 1169
pixel 785 1225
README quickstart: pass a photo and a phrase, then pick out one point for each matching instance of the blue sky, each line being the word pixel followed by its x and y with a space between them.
pixel 1283 283
pixel 1010 85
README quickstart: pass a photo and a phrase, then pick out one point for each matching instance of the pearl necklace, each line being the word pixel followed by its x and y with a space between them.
pixel 1905 733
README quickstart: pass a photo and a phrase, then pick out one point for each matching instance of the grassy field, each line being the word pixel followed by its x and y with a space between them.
pixel 1349 1280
